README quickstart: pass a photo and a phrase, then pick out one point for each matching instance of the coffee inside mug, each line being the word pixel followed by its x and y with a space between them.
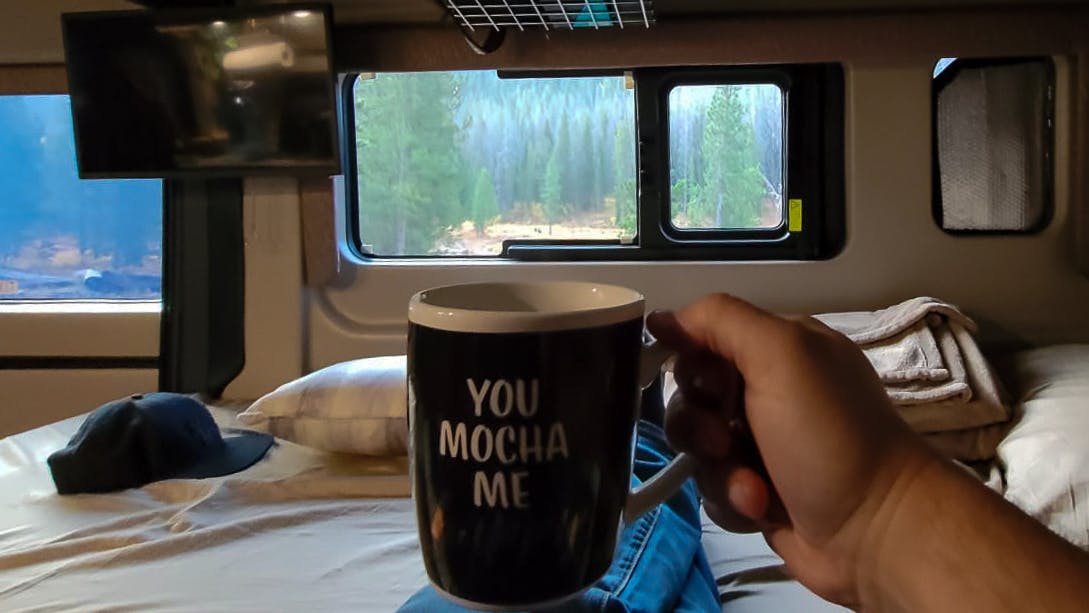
pixel 522 401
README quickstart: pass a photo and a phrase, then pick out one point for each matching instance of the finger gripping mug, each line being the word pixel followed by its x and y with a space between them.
pixel 523 399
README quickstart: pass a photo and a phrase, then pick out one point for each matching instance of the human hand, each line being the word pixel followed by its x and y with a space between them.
pixel 831 457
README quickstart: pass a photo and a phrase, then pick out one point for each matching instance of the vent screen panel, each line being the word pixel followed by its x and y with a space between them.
pixel 558 15
pixel 993 140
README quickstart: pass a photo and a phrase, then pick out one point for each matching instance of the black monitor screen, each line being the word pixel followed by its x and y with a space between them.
pixel 160 94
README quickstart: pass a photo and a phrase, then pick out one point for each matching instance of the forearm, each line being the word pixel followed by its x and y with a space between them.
pixel 950 544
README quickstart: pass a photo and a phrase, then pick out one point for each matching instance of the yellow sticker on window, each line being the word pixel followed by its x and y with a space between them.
pixel 794 215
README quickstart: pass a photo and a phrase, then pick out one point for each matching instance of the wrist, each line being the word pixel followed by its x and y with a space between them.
pixel 898 528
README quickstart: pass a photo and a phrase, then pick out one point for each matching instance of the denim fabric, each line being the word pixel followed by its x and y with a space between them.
pixel 659 565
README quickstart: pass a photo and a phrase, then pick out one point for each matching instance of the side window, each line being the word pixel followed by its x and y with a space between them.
pixel 697 163
pixel 457 163
pixel 63 238
pixel 726 164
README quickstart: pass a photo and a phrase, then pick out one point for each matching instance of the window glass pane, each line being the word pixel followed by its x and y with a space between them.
pixel 726 156
pixel 61 237
pixel 454 163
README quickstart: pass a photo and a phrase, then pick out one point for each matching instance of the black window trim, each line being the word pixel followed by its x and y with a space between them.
pixel 817 137
pixel 671 79
pixel 346 110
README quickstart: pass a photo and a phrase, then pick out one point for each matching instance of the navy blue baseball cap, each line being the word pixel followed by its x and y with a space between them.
pixel 149 437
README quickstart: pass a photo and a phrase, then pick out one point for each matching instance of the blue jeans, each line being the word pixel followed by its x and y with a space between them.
pixel 659 563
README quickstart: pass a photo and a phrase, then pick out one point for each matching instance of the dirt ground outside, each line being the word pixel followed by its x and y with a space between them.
pixel 591 225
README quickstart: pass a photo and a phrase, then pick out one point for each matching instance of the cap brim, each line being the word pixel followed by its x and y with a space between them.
pixel 241 450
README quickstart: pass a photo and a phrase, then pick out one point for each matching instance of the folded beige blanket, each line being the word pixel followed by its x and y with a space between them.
pixel 924 353
pixel 912 347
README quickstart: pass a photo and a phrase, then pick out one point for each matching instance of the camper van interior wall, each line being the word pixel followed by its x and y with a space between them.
pixel 523 398
pixel 352 407
pixel 168 93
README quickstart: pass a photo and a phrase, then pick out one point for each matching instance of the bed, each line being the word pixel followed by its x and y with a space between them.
pixel 307 530
pixel 302 530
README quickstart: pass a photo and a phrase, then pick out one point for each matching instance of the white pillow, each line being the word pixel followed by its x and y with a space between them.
pixel 1046 454
pixel 351 407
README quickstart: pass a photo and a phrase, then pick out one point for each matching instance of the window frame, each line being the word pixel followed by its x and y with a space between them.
pixel 349 161
pixel 813 151
pixel 672 79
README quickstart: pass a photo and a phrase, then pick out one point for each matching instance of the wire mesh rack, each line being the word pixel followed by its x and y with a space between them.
pixel 551 15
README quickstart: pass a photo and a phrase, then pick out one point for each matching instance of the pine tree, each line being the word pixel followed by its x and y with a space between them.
pixel 733 188
pixel 768 132
pixel 598 167
pixel 511 148
pixel 562 159
pixel 538 150
pixel 409 158
pixel 624 177
pixel 583 171
pixel 604 162
pixel 484 208
pixel 552 190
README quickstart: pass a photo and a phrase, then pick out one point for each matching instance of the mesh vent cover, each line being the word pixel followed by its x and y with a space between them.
pixel 993 147
pixel 551 15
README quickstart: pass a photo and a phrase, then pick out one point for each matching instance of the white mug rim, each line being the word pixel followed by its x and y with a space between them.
pixel 590 305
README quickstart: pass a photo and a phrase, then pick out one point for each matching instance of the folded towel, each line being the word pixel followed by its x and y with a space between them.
pixel 933 371
pixel 914 378
pixel 911 355
pixel 924 353
pixel 912 347
pixel 868 327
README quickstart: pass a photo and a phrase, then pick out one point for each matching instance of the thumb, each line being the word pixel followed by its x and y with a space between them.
pixel 724 325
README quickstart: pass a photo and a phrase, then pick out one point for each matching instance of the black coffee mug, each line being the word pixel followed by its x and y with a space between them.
pixel 523 399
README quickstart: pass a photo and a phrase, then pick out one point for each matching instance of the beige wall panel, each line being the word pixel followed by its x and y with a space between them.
pixel 33 79
pixel 30 32
pixel 80 329
pixel 274 283
pixel 32 398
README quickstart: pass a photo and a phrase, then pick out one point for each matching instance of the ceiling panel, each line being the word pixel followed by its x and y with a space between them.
pixel 428 11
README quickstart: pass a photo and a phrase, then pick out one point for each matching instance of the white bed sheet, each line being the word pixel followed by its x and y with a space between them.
pixel 300 531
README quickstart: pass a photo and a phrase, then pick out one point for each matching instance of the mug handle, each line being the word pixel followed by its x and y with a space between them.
pixel 661 486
